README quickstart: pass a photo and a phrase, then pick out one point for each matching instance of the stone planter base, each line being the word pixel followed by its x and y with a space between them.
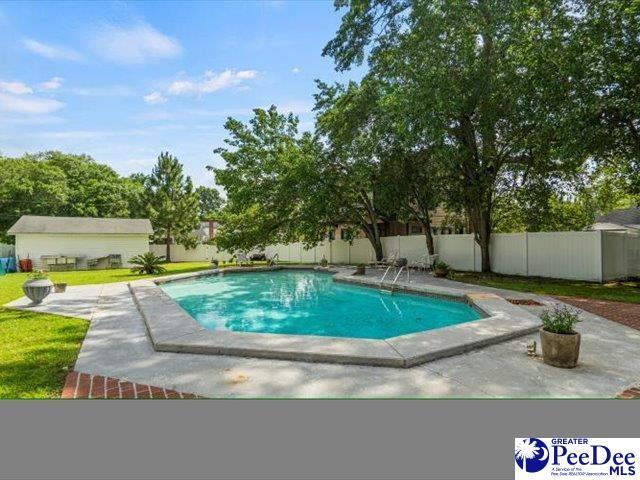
pixel 560 350
pixel 37 290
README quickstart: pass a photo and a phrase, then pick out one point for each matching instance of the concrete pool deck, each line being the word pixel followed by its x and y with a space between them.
pixel 117 345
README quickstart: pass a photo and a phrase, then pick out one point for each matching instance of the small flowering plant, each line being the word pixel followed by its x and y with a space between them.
pixel 560 320
pixel 38 275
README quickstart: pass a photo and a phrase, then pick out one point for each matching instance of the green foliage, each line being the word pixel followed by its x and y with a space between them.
pixel 210 201
pixel 59 184
pixel 481 84
pixel 560 320
pixel 441 265
pixel 147 263
pixel 276 184
pixel 172 204
pixel 38 275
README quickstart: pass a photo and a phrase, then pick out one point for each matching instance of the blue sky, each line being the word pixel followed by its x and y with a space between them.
pixel 122 81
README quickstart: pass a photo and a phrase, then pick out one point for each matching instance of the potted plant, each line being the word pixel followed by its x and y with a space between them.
pixel 37 286
pixel 60 287
pixel 360 269
pixel 215 262
pixel 441 269
pixel 324 262
pixel 560 342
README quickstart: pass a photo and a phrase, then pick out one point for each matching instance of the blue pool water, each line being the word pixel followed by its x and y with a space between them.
pixel 310 303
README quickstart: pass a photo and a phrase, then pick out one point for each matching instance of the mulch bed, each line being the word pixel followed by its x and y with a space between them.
pixel 524 301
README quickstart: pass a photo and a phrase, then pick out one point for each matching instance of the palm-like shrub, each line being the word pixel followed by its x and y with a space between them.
pixel 148 263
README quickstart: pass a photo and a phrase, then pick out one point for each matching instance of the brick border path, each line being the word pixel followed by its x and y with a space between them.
pixel 620 312
pixel 84 385
pixel 633 392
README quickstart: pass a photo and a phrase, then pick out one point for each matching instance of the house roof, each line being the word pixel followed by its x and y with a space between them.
pixel 36 224
pixel 624 216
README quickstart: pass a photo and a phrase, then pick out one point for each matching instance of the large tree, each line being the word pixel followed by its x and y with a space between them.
pixel 606 56
pixel 62 184
pixel 484 80
pixel 211 202
pixel 275 183
pixel 365 124
pixel 172 203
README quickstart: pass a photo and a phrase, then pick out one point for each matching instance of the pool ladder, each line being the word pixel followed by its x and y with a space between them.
pixel 395 280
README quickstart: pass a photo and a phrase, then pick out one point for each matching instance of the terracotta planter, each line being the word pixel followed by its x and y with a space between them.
pixel 37 290
pixel 560 350
pixel 59 287
pixel 440 273
pixel 360 270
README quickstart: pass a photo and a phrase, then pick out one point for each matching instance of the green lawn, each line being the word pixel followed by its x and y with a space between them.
pixel 615 291
pixel 37 349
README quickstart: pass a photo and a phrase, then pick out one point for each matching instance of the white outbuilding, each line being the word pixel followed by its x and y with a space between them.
pixel 66 243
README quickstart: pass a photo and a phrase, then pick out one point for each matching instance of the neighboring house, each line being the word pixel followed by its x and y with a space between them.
pixel 392 228
pixel 82 241
pixel 627 219
pixel 206 231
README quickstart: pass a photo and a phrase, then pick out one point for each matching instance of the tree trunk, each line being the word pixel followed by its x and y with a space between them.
pixel 426 224
pixel 484 239
pixel 167 256
pixel 373 235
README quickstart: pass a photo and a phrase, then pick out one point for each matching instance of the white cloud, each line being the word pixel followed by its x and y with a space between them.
pixel 53 84
pixel 29 105
pixel 295 70
pixel 16 88
pixel 52 52
pixel 133 45
pixel 113 91
pixel 211 82
pixel 154 98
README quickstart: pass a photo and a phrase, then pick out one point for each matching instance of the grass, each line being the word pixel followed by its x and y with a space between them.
pixel 37 350
pixel 628 291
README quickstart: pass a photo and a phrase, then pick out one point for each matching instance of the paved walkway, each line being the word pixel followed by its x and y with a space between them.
pixel 117 346
pixel 84 385
pixel 624 313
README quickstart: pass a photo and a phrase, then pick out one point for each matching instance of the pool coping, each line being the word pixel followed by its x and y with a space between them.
pixel 172 329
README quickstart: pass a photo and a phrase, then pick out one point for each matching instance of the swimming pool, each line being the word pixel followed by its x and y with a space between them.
pixel 310 303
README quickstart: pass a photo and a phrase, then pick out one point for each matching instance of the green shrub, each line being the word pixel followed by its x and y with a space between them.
pixel 38 275
pixel 148 263
pixel 560 320
pixel 440 265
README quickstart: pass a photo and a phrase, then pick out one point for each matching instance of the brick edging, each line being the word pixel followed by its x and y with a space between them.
pixel 88 386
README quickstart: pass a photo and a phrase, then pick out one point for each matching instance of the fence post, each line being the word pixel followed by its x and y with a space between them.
pixel 526 253
pixel 601 256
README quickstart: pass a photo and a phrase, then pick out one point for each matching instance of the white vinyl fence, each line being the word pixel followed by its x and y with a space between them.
pixel 7 250
pixel 202 253
pixel 591 256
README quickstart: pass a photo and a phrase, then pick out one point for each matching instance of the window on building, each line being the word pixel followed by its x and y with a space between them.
pixel 415 229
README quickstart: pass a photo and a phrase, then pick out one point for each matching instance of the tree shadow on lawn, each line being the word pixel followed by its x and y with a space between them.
pixel 36 352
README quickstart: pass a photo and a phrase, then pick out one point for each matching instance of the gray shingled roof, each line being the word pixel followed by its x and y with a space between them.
pixel 35 224
pixel 622 216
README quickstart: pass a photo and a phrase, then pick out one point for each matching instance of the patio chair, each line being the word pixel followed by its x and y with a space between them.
pixel 421 263
pixel 242 259
pixel 272 259
pixel 386 261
